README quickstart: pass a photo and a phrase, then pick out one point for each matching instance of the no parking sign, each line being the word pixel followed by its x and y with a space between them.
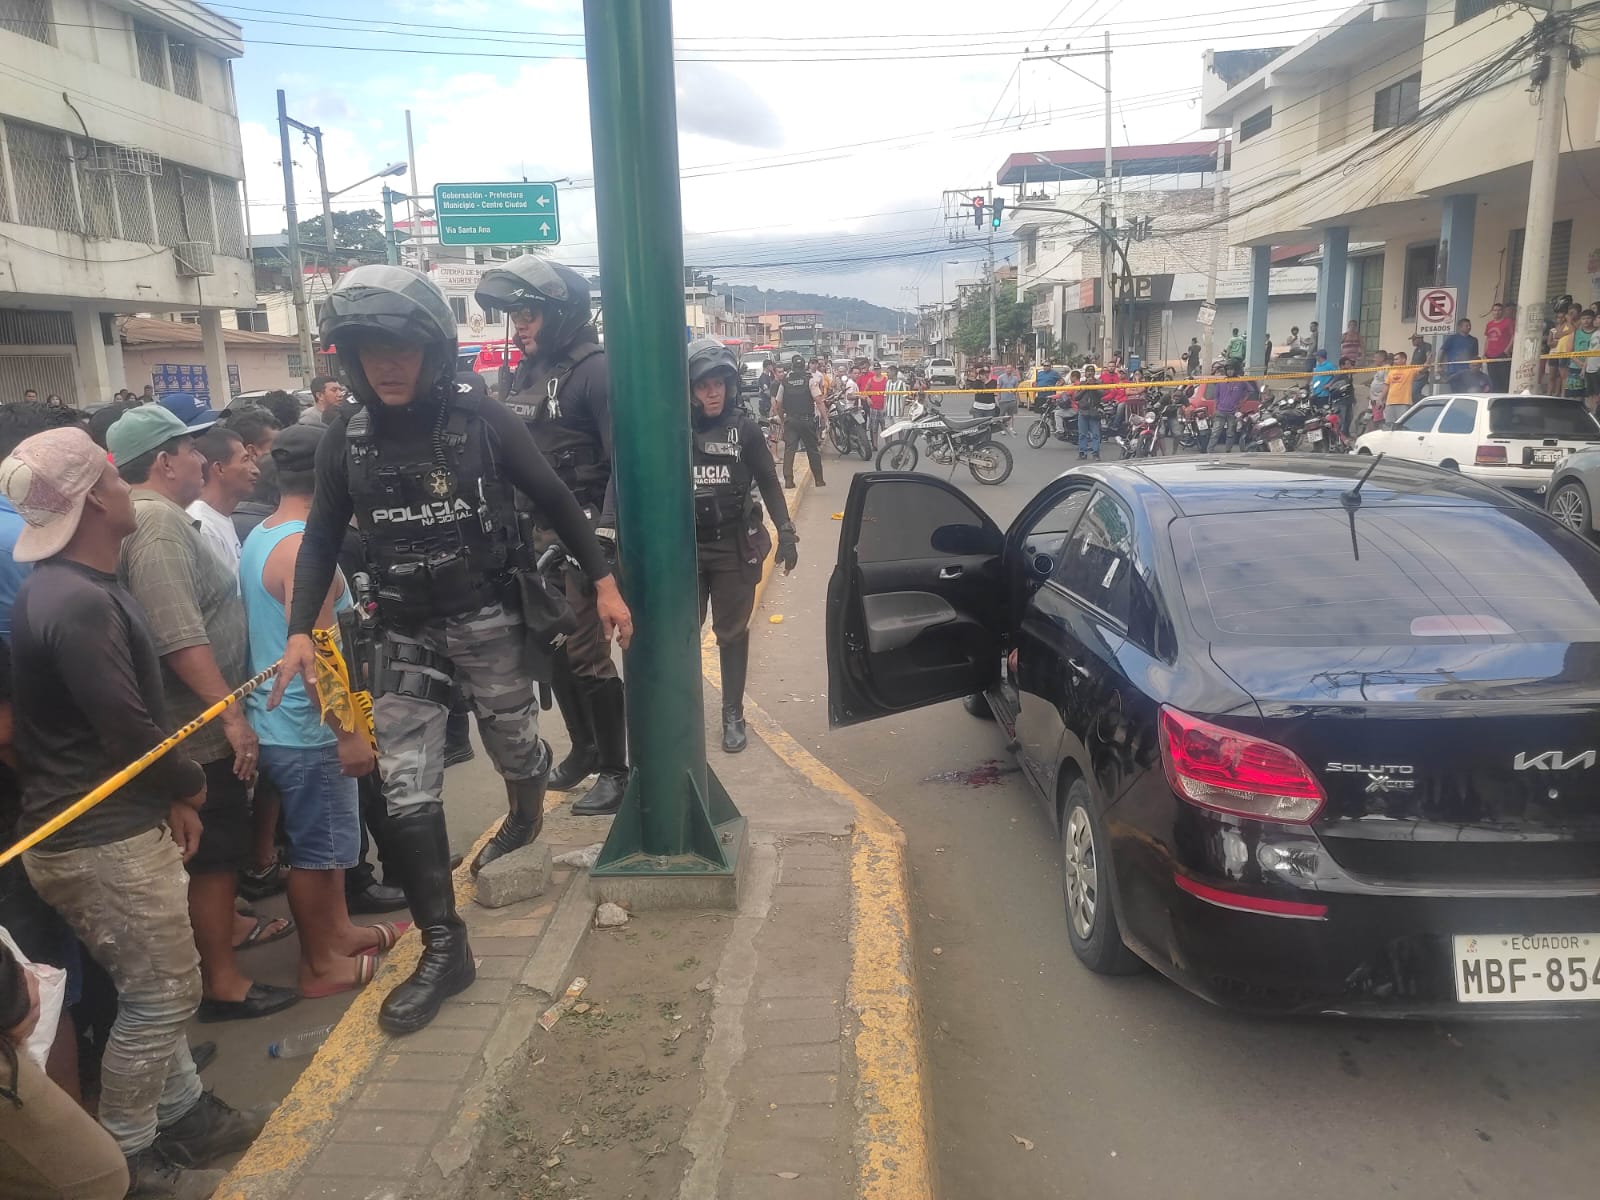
pixel 1436 310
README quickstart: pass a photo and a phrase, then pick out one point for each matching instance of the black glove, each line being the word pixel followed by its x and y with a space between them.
pixel 788 543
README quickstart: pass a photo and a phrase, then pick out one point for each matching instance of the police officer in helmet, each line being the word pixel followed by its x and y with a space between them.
pixel 430 472
pixel 562 391
pixel 731 457
pixel 798 404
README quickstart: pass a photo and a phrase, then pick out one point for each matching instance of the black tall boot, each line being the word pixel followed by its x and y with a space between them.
pixel 524 815
pixel 609 713
pixel 421 850
pixel 580 763
pixel 735 665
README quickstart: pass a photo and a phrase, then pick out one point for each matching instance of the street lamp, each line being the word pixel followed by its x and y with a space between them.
pixel 395 168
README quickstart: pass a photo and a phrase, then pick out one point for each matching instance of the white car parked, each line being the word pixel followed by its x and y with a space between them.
pixel 942 371
pixel 1514 441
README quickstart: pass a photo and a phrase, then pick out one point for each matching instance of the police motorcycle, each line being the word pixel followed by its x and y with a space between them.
pixel 949 443
pixel 847 426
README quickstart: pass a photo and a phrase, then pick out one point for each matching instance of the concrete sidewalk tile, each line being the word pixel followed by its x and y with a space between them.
pixel 798 984
pixel 388 1128
pixel 815 1122
pixel 770 1187
pixel 513 947
pixel 794 1033
pixel 499 967
pixel 521 927
pixel 442 1039
pixel 485 991
pixel 426 1068
pixel 806 895
pixel 797 1089
pixel 777 1060
pixel 334 1187
pixel 813 877
pixel 468 1016
pixel 796 1008
pixel 755 1153
pixel 407 1097
pixel 367 1160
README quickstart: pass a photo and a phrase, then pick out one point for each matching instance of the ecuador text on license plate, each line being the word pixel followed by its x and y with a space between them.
pixel 1501 968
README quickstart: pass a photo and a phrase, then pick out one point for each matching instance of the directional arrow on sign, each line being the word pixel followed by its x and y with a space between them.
pixel 544 228
pixel 542 201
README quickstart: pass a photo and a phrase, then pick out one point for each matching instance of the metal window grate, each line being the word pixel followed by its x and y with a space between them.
pixel 151 44
pixel 185 71
pixel 30 18
pixel 1467 9
pixel 168 195
pixel 196 192
pixel 35 327
pixel 96 190
pixel 133 204
pixel 44 373
pixel 42 174
pixel 230 218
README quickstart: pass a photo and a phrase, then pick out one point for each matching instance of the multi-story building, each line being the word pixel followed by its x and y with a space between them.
pixel 1400 137
pixel 120 164
pixel 1162 208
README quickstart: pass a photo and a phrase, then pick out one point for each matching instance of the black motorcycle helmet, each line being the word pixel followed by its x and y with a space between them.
pixel 535 283
pixel 797 363
pixel 399 303
pixel 707 357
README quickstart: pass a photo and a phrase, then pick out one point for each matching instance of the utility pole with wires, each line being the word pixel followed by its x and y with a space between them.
pixel 1218 207
pixel 1108 341
pixel 297 280
pixel 1554 53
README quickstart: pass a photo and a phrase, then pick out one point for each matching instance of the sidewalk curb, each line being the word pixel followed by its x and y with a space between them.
pixel 893 1113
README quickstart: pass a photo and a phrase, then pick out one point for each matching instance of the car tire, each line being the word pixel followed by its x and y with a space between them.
pixel 1569 504
pixel 1450 464
pixel 978 705
pixel 1086 887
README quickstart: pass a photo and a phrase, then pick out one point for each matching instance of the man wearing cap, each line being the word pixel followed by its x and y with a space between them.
pixel 88 700
pixel 192 599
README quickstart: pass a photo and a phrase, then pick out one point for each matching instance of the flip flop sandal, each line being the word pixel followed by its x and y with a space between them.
pixel 258 936
pixel 366 969
pixel 389 932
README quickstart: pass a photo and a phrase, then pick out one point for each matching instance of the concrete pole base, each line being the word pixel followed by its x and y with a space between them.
pixel 642 882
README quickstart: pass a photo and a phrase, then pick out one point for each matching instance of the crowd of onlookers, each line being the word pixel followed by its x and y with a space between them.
pixel 146 567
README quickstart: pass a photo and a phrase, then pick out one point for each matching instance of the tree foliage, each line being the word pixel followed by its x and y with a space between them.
pixel 360 230
pixel 1013 321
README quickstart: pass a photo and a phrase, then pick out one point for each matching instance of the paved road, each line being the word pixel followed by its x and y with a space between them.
pixel 1129 1088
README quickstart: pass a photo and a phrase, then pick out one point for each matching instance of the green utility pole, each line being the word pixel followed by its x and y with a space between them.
pixel 677 839
pixel 391 246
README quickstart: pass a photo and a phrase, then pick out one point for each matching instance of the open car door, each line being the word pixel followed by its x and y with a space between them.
pixel 916 605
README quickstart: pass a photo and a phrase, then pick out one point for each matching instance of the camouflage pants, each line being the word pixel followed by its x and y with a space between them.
pixel 485 649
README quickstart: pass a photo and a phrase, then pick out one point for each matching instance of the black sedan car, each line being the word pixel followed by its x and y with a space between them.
pixel 1320 736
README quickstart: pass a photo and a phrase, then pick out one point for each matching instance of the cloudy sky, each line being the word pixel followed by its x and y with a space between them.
pixel 816 138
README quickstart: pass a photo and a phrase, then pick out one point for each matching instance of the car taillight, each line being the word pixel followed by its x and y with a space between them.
pixel 1491 456
pixel 1232 772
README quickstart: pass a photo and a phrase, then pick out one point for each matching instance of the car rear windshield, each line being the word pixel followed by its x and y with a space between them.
pixel 1538 417
pixel 1423 576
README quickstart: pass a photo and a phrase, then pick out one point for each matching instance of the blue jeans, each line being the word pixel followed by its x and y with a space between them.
pixel 1088 433
pixel 321 806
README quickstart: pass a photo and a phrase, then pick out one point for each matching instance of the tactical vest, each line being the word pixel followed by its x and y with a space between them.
pixel 721 482
pixel 439 528
pixel 578 457
pixel 797 402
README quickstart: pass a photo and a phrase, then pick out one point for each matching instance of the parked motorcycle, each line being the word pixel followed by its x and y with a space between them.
pixel 948 443
pixel 847 429
pixel 1058 419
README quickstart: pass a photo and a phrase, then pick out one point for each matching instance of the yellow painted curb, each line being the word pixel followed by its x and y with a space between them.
pixel 893 1111
pixel 303 1122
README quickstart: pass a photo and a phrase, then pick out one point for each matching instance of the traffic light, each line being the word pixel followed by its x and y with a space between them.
pixel 997 212
pixel 977 211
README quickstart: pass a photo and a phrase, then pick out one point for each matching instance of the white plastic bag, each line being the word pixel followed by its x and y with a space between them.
pixel 52 996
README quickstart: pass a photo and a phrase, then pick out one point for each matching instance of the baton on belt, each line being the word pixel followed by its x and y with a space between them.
pixel 137 767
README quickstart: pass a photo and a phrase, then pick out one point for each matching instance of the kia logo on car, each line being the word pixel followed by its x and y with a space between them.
pixel 1551 760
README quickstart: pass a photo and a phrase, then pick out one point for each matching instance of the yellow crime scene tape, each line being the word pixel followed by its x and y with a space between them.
pixel 333 683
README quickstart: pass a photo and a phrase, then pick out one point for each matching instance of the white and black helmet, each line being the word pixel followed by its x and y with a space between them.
pixel 397 303
pixel 537 283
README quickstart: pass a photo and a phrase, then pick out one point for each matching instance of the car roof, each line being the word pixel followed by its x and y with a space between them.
pixel 1232 483
pixel 1503 396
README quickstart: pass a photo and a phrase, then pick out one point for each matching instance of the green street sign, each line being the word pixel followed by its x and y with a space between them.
pixel 497 214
